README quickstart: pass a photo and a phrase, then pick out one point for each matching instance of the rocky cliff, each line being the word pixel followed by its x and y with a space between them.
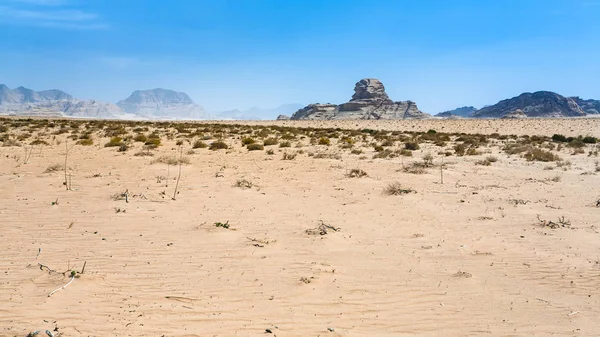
pixel 590 106
pixel 537 104
pixel 162 103
pixel 370 101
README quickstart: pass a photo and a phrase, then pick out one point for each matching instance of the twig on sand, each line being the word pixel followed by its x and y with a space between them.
pixel 63 287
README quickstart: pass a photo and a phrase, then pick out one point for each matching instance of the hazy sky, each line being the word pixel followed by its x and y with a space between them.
pixel 242 53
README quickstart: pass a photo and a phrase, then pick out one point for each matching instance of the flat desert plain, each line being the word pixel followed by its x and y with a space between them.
pixel 328 229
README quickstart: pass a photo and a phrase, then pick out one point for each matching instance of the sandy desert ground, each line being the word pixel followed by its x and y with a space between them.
pixel 507 245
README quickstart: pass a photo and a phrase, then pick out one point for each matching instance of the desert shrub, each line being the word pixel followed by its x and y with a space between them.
pixel 324 141
pixel 357 173
pixel 243 184
pixel 140 137
pixel 153 142
pixel 577 142
pixel 54 168
pixel 428 160
pixel 559 138
pixel 460 149
pixel 179 142
pixel 288 156
pixel 218 145
pixel 415 168
pixel 285 144
pixel 396 188
pixel 356 151
pixel 114 141
pixel 536 154
pixel 383 154
pixel 270 141
pixel 39 142
pixel 411 146
pixel 431 131
pixel 472 152
pixel 247 141
pixel 171 160
pixel 578 150
pixel 387 142
pixel 123 148
pixel 378 148
pixel 405 153
pixel 255 147
pixel 198 144
pixel 589 140
pixel 516 148
pixel 85 142
pixel 270 152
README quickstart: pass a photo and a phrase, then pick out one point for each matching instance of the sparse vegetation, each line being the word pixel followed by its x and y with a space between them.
pixel 395 188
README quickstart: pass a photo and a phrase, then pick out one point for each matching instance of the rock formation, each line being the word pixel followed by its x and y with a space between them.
pixel 537 104
pixel 590 106
pixel 162 103
pixel 466 111
pixel 283 118
pixel 369 101
pixel 23 101
pixel 515 114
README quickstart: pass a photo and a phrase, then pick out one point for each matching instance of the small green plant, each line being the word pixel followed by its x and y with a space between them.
pixel 223 225
pixel 114 141
pixel 559 138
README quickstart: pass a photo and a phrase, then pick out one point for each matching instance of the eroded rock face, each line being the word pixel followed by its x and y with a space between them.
pixel 370 101
pixel 537 104
pixel 590 106
pixel 283 117
pixel 515 114
pixel 465 111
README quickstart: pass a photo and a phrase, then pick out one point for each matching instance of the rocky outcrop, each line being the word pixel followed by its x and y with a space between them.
pixel 515 114
pixel 465 111
pixel 23 101
pixel 283 118
pixel 537 104
pixel 590 106
pixel 370 101
pixel 162 103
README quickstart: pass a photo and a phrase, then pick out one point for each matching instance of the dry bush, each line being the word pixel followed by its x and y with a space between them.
pixel 285 144
pixel 324 141
pixel 415 168
pixel 140 137
pixel 289 156
pixel 243 184
pixel 270 141
pixel 85 142
pixel 248 141
pixel 327 156
pixel 536 154
pixel 255 147
pixel 396 188
pixel 411 146
pixel 54 168
pixel 218 145
pixel 356 151
pixel 199 145
pixel 356 173
pixel 171 160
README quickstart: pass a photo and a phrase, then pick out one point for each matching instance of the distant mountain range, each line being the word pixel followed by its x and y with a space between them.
pixel 544 104
pixel 369 102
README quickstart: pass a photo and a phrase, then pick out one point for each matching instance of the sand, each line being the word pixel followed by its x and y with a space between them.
pixel 464 258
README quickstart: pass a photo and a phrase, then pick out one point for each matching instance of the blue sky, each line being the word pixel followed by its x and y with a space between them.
pixel 241 53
